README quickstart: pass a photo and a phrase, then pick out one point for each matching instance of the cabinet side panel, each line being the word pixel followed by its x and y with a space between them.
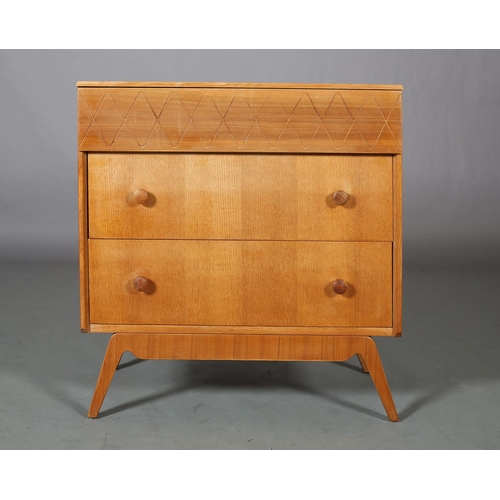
pixel 82 241
pixel 397 253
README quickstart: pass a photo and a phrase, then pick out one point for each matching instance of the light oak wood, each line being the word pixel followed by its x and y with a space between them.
pixel 201 282
pixel 212 119
pixel 243 330
pixel 138 197
pixel 397 252
pixel 255 85
pixel 82 242
pixel 363 364
pixel 251 197
pixel 240 221
pixel 243 348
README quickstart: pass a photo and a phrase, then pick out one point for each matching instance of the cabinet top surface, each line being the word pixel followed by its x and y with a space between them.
pixel 247 85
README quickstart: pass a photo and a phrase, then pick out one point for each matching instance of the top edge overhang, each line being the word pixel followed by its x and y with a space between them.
pixel 242 85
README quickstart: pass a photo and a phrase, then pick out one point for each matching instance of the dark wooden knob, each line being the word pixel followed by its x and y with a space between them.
pixel 340 197
pixel 142 284
pixel 339 286
pixel 140 196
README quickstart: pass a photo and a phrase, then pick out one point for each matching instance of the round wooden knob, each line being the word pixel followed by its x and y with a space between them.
pixel 340 197
pixel 140 196
pixel 339 286
pixel 142 284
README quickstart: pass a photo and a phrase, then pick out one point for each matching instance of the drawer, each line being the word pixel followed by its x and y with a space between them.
pixel 261 283
pixel 240 196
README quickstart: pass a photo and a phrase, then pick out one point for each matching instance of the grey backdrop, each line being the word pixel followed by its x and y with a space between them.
pixel 451 110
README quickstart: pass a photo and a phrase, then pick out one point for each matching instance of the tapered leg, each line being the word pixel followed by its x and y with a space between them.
pixel 362 363
pixel 243 347
pixel 109 364
pixel 376 371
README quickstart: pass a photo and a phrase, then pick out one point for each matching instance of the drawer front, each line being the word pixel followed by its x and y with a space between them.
pixel 261 283
pixel 248 197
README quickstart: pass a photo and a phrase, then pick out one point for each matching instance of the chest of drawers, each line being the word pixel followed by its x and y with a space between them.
pixel 239 221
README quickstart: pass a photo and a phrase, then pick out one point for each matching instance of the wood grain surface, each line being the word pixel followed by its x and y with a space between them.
pixel 212 119
pixel 397 253
pixel 256 197
pixel 82 241
pixel 253 85
pixel 202 282
pixel 242 330
pixel 246 347
pixel 240 221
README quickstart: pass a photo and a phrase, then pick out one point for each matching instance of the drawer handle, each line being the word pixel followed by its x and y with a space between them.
pixel 339 286
pixel 139 197
pixel 142 284
pixel 340 197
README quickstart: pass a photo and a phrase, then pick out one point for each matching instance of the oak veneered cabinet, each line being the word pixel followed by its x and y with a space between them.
pixel 240 221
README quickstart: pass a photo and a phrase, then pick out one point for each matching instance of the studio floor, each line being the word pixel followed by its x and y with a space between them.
pixel 443 373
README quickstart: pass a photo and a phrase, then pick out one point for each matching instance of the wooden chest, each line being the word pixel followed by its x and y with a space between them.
pixel 240 221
